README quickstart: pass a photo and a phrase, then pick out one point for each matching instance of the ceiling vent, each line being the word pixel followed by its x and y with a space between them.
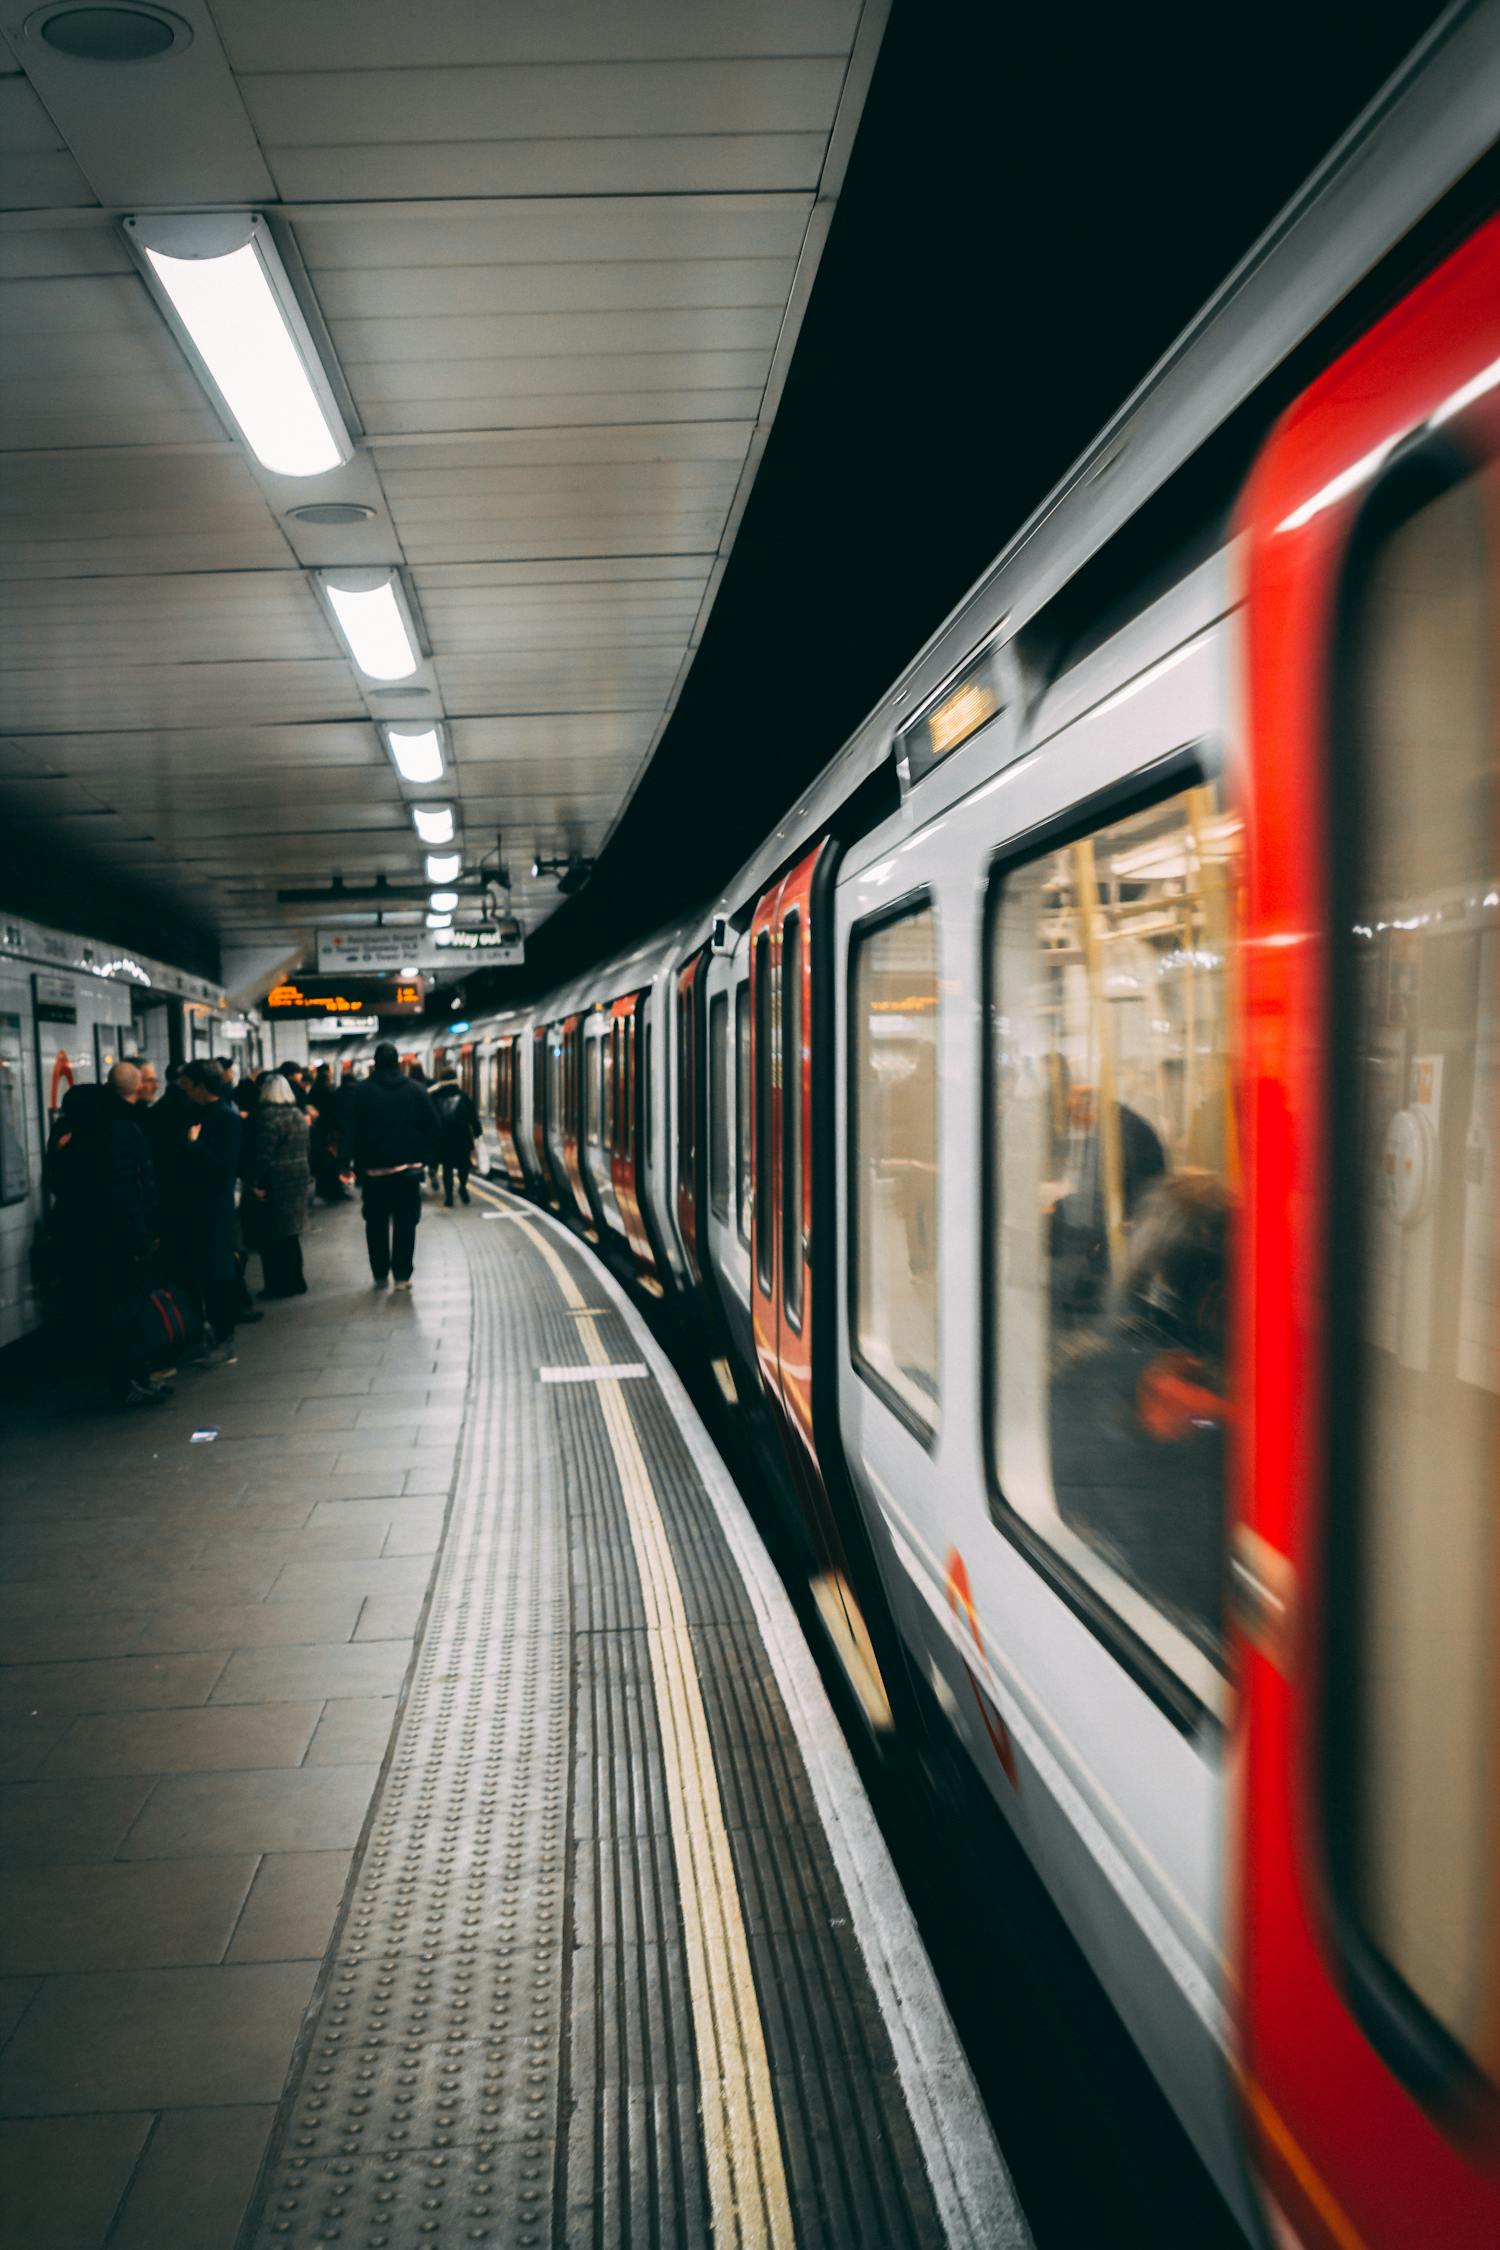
pixel 120 33
pixel 328 514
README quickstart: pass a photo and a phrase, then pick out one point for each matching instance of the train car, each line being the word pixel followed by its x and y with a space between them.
pixel 70 1008
pixel 1080 1119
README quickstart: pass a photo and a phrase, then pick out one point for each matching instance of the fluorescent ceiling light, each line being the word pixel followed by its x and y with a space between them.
pixel 218 278
pixel 440 921
pixel 443 902
pixel 371 617
pixel 434 823
pixel 443 866
pixel 417 753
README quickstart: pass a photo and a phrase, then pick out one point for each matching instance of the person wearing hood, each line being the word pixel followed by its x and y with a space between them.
pixel 276 1180
pixel 458 1130
pixel 393 1137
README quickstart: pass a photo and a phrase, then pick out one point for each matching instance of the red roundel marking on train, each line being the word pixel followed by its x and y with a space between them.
pixel 62 1078
pixel 961 1602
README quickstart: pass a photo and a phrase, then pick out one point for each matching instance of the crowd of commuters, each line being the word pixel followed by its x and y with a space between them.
pixel 159 1197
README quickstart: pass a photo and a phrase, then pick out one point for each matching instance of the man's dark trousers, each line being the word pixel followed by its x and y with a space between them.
pixel 393 1206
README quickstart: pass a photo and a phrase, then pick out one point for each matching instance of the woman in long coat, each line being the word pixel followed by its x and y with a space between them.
pixel 277 1179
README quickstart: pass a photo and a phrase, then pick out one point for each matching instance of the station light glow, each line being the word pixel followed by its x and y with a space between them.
pixel 417 753
pixel 443 902
pixel 369 617
pixel 434 823
pixel 440 921
pixel 443 866
pixel 220 281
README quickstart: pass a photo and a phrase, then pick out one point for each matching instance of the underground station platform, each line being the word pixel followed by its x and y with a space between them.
pixel 424 1822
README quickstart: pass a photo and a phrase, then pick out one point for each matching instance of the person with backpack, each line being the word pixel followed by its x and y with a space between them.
pixel 458 1130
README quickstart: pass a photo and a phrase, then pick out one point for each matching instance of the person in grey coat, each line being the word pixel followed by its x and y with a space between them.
pixel 277 1178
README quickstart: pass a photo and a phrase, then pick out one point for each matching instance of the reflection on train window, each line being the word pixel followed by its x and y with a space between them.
pixel 894 1165
pixel 604 1046
pixel 718 1104
pixel 791 1119
pixel 1115 1175
pixel 1417 1353
pixel 742 1108
pixel 14 1184
pixel 555 1079
pixel 648 1106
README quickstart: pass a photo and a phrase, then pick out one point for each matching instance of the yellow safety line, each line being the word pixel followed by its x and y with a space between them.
pixel 742 2139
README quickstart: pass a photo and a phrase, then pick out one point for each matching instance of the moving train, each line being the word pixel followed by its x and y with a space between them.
pixel 1072 1138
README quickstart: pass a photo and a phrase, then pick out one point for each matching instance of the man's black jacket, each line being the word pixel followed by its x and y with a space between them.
pixel 393 1123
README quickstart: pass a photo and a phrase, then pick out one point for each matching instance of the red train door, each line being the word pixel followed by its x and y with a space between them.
pixel 689 1105
pixel 570 1120
pixel 539 1098
pixel 625 1154
pixel 1366 1559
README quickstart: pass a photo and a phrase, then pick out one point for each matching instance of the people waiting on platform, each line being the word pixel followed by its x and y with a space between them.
pixel 394 1138
pixel 458 1129
pixel 324 1152
pixel 99 1175
pixel 210 1173
pixel 276 1180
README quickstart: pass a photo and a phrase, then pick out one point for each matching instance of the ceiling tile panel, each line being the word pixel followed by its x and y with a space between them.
pixel 263 35
pixel 555 250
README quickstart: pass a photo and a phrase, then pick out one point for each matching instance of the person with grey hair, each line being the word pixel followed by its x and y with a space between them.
pixel 276 1177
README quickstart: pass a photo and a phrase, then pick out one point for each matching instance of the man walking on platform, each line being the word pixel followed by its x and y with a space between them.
pixel 394 1131
pixel 211 1174
pixel 458 1122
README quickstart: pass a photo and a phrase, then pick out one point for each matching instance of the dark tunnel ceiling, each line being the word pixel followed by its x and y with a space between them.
pixel 1038 203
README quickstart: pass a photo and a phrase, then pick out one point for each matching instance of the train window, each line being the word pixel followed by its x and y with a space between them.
pixel 1414 1380
pixel 591 1084
pixel 742 1108
pixel 764 1074
pixel 894 1161
pixel 606 1047
pixel 791 1118
pixel 1113 1171
pixel 718 1104
pixel 555 1079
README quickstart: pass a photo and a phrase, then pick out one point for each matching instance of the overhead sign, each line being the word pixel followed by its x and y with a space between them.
pixel 397 952
pixel 347 996
pixel 339 951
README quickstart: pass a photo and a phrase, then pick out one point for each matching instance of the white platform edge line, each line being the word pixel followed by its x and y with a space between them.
pixel 971 2184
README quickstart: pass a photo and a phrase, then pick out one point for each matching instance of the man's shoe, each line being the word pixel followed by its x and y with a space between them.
pixel 404 1284
pixel 463 1195
pixel 242 1317
pixel 380 1281
pixel 448 1202
pixel 219 1355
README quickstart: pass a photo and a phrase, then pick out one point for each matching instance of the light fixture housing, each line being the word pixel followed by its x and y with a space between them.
pixel 443 902
pixel 443 866
pixel 440 921
pixel 433 823
pixel 370 614
pixel 416 753
pixel 220 281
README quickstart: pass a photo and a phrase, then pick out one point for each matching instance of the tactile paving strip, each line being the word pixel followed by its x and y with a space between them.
pixel 425 2110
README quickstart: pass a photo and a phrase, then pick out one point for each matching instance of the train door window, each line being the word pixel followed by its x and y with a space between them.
pixel 606 1049
pixel 15 1181
pixel 555 1078
pixel 791 1121
pixel 894 1161
pixel 630 1032
pixel 647 1106
pixel 1112 1175
pixel 742 1108
pixel 718 1105
pixel 765 1074
pixel 1415 1316
pixel 591 1080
